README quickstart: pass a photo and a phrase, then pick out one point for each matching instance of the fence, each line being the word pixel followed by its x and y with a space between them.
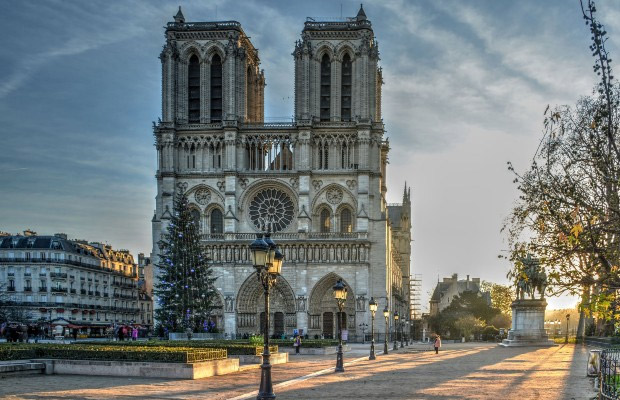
pixel 610 374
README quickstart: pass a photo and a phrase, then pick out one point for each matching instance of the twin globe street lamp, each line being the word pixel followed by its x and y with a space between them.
pixel 267 260
pixel 372 305
pixel 340 294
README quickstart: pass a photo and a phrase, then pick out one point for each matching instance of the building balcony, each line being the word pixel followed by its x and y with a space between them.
pixel 106 295
pixel 82 291
pixel 90 293
pixel 71 276
pixel 28 289
pixel 42 289
pixel 10 273
pixel 43 274
pixel 59 290
pixel 97 293
pixel 27 274
pixel 58 275
pixel 73 290
pixel 10 289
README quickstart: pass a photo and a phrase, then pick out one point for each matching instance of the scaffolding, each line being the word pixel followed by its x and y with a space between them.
pixel 415 290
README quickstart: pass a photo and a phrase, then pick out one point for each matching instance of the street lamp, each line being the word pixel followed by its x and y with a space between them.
pixel 386 314
pixel 363 326
pixel 372 305
pixel 395 330
pixel 340 294
pixel 402 322
pixel 567 319
pixel 406 328
pixel 267 260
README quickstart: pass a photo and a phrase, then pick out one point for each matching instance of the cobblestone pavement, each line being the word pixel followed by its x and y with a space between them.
pixel 460 371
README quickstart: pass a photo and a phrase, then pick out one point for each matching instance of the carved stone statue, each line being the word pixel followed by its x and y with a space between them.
pixel 229 303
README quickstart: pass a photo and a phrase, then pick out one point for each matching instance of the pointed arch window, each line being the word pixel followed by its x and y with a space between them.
pixel 217 221
pixel 325 221
pixel 326 86
pixel 216 89
pixel 345 95
pixel 193 89
pixel 346 221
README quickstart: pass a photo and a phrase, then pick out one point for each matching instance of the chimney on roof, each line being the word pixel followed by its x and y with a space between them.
pixel 467 283
pixel 29 232
pixel 61 235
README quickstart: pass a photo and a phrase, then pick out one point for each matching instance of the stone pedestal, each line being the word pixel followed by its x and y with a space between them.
pixel 528 324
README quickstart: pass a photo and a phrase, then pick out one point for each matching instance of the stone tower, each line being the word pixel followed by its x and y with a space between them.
pixel 318 183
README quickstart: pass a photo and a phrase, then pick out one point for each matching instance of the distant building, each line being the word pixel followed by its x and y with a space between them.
pixel 451 287
pixel 69 282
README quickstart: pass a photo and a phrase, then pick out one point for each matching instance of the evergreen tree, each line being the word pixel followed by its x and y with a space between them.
pixel 185 291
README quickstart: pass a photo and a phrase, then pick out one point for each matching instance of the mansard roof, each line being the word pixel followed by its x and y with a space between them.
pixel 60 242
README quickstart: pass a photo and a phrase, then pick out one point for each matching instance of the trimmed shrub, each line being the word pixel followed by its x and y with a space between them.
pixel 111 353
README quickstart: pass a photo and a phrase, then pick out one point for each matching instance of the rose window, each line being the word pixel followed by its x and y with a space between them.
pixel 271 209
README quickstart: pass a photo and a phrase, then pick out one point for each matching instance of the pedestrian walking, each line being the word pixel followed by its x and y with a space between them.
pixel 437 344
pixel 134 334
pixel 297 344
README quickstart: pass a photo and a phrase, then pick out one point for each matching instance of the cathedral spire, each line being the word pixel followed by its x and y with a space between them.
pixel 405 193
pixel 179 18
pixel 361 15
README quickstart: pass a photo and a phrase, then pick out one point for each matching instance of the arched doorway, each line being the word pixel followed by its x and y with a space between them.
pixel 251 308
pixel 324 312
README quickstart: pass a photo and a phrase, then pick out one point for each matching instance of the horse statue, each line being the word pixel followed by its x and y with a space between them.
pixel 532 278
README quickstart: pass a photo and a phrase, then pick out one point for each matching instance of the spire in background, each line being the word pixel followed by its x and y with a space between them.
pixel 361 15
pixel 179 18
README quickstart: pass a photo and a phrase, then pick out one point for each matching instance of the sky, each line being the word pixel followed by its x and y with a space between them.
pixel 466 85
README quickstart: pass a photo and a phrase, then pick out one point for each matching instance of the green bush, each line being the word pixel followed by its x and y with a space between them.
pixel 235 348
pixel 110 353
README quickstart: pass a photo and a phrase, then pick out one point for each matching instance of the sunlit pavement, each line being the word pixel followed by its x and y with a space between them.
pixel 460 371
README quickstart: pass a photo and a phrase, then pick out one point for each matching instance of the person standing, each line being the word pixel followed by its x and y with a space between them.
pixel 134 334
pixel 297 344
pixel 437 344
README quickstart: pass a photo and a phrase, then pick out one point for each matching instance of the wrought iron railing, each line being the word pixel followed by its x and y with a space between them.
pixel 610 374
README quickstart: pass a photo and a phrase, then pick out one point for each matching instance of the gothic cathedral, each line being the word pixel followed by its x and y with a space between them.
pixel 318 183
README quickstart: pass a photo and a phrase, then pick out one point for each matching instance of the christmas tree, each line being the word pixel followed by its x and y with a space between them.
pixel 185 292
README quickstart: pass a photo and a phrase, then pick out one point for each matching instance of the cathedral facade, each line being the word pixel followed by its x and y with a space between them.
pixel 318 183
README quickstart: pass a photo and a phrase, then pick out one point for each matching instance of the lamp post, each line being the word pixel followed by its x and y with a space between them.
pixel 396 330
pixel 363 327
pixel 406 324
pixel 340 294
pixel 567 319
pixel 267 261
pixel 402 322
pixel 386 314
pixel 372 305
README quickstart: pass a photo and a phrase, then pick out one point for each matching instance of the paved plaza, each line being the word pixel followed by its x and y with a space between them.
pixel 460 371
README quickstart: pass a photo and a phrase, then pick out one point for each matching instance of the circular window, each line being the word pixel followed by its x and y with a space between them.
pixel 271 209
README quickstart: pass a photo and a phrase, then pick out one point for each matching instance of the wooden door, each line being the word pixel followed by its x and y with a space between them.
pixel 278 323
pixel 328 325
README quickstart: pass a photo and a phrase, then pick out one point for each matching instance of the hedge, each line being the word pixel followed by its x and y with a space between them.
pixel 232 348
pixel 110 353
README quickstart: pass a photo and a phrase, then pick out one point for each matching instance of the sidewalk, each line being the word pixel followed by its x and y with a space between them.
pixel 460 371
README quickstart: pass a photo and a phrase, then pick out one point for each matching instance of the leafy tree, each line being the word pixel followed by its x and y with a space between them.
pixel 185 292
pixel 568 211
pixel 467 325
pixel 501 321
pixel 466 304
pixel 502 296
pixel 10 311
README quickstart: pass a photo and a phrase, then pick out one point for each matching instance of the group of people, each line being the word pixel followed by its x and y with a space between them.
pixel 125 332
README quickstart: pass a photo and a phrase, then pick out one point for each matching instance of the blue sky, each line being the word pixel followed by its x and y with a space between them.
pixel 466 86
